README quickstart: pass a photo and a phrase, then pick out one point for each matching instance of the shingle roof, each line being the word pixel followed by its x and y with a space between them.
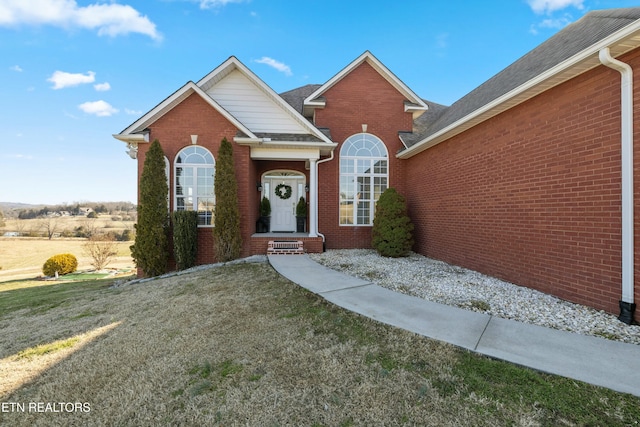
pixel 423 122
pixel 296 97
pixel 574 38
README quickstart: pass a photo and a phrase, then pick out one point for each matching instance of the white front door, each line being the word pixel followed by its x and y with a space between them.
pixel 283 197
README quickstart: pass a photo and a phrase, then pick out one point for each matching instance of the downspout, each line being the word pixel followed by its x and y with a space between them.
pixel 627 305
pixel 328 159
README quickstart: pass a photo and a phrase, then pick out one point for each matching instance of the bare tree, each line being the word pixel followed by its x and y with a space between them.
pixel 20 225
pixel 91 227
pixel 50 225
pixel 101 248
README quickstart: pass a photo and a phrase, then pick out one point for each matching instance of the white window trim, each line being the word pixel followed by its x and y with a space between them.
pixel 195 166
pixel 373 175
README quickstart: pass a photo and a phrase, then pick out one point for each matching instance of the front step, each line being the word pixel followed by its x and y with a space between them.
pixel 285 247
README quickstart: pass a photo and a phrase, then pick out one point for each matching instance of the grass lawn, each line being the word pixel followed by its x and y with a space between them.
pixel 23 257
pixel 240 345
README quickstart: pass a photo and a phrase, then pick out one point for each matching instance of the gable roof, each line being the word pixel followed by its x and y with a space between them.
pixel 277 117
pixel 140 125
pixel 222 88
pixel 572 51
pixel 414 104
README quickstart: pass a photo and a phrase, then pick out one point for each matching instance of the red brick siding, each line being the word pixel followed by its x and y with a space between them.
pixel 361 97
pixel 533 195
pixel 194 116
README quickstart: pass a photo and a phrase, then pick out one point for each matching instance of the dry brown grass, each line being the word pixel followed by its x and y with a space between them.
pixel 161 360
pixel 23 257
pixel 238 345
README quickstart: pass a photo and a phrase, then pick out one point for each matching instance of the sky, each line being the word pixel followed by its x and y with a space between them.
pixel 73 73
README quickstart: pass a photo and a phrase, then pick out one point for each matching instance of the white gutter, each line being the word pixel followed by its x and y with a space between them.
pixel 627 172
pixel 314 195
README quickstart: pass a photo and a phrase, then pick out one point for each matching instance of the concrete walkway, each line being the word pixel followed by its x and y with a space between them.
pixel 598 361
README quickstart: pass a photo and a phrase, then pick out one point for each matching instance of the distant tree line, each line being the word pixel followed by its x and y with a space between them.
pixel 75 210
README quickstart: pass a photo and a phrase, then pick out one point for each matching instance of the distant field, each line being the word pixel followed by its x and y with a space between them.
pixel 23 257
pixel 67 224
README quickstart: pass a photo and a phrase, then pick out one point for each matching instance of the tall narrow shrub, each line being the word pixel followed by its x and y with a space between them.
pixel 226 231
pixel 185 238
pixel 392 227
pixel 150 250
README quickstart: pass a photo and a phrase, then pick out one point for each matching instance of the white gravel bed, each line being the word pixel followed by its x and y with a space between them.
pixel 440 282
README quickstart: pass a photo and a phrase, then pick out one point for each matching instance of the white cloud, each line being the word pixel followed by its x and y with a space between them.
pixel 61 79
pixel 548 6
pixel 16 68
pixel 102 87
pixel 132 112
pixel 211 4
pixel 98 108
pixel 110 19
pixel 275 64
pixel 553 23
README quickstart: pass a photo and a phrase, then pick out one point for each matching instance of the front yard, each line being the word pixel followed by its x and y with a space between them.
pixel 240 345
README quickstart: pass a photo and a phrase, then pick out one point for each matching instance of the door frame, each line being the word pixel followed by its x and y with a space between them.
pixel 270 180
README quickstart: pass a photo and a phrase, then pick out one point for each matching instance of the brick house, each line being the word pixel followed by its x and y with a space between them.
pixel 529 177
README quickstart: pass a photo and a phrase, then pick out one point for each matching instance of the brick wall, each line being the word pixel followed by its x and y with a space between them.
pixel 194 116
pixel 361 97
pixel 533 195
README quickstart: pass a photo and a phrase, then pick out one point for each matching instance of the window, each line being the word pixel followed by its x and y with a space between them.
pixel 363 178
pixel 194 174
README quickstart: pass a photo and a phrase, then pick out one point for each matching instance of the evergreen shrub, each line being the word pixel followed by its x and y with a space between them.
pixel 301 208
pixel 185 238
pixel 265 207
pixel 151 248
pixel 392 227
pixel 62 263
pixel 226 230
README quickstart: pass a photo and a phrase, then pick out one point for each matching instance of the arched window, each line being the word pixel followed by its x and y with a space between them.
pixel 364 175
pixel 194 173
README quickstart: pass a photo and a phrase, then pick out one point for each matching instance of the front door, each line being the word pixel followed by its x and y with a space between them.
pixel 284 195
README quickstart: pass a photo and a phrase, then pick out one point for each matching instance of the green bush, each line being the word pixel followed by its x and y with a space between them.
pixel 226 230
pixel 185 238
pixel 126 236
pixel 265 207
pixel 151 248
pixel 392 227
pixel 301 208
pixel 63 264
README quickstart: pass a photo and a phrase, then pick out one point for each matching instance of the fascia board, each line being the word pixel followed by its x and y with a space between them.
pixel 272 144
pixel 169 103
pixel 159 109
pixel 583 56
pixel 132 138
pixel 236 64
pixel 227 66
pixel 380 68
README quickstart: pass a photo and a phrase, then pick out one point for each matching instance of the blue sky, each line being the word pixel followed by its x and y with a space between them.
pixel 75 72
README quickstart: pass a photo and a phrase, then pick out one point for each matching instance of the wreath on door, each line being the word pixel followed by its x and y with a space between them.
pixel 287 191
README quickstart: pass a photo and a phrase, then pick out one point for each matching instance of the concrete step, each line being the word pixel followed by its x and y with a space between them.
pixel 285 247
